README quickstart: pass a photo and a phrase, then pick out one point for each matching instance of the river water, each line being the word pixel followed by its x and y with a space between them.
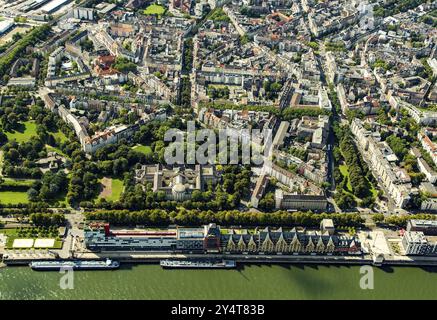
pixel 248 282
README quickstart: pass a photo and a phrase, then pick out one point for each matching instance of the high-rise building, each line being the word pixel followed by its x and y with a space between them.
pixel 83 13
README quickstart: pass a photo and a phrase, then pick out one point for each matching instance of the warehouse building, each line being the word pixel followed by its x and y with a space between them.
pixel 53 6
pixel 5 25
pixel 210 238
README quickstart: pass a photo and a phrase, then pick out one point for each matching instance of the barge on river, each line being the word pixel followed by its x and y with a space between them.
pixel 198 264
pixel 74 265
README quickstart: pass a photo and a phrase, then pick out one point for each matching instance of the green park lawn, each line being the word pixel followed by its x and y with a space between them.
pixel 15 233
pixel 345 173
pixel 60 135
pixel 16 197
pixel 13 197
pixel 143 149
pixel 373 190
pixel 116 190
pixel 57 150
pixel 154 9
pixel 11 182
pixel 25 133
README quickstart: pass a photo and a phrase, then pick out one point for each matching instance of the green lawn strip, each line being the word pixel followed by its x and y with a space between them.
pixel 373 189
pixel 18 183
pixel 13 197
pixel 143 149
pixel 345 172
pixel 58 244
pixel 31 232
pixel 28 130
pixel 9 231
pixel 154 9
pixel 358 200
pixel 57 150
pixel 10 242
pixel 1 162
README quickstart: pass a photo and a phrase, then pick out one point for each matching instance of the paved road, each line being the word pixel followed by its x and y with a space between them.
pixel 335 118
pixel 74 234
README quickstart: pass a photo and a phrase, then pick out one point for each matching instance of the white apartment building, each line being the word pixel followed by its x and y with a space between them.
pixel 427 118
pixel 83 13
pixel 430 174
pixel 428 145
pixel 382 160
pixel 429 205
pixel 415 243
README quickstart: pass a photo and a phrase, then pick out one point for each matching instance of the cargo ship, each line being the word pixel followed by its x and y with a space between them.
pixel 74 265
pixel 198 264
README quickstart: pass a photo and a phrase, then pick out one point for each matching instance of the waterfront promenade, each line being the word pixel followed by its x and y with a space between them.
pixel 155 257
pixel 376 250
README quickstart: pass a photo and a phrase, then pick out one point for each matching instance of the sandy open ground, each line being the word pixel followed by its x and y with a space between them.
pixel 23 243
pixel 107 187
pixel 44 243
pixel 8 36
